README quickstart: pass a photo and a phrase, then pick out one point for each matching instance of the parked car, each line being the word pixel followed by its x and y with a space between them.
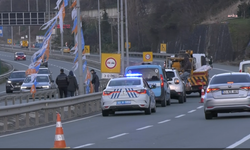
pixel 19 56
pixel 176 84
pixel 154 75
pixel 45 71
pixel 14 81
pixel 43 82
pixel 226 93
pixel 128 93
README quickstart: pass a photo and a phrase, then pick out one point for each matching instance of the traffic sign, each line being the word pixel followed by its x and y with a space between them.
pixel 110 63
pixel 129 45
pixel 87 49
pixel 1 31
pixel 147 56
pixel 163 48
pixel 9 41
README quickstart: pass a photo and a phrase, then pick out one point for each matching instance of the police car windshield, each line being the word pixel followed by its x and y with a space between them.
pixel 126 82
pixel 149 74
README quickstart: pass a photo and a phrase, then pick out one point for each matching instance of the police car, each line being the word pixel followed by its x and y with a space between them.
pixel 131 92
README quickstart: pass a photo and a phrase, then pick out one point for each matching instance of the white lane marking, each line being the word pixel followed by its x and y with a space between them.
pixel 180 116
pixel 49 126
pixel 116 136
pixel 191 111
pixel 163 121
pixel 144 127
pixel 239 142
pixel 15 62
pixel 199 107
pixel 85 145
pixel 222 70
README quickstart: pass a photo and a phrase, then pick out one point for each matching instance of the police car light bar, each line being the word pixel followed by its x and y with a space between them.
pixel 134 75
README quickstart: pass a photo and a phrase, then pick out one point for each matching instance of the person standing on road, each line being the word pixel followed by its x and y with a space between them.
pixel 95 80
pixel 73 86
pixel 62 82
pixel 186 69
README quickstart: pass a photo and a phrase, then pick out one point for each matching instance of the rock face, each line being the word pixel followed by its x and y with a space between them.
pixel 212 39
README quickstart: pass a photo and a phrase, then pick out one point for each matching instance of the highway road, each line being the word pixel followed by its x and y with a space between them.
pixel 175 126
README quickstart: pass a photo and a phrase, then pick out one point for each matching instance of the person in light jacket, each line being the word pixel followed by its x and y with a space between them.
pixel 73 86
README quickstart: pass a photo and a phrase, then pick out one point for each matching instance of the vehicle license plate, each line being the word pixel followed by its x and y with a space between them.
pixel 123 102
pixel 230 91
pixel 17 86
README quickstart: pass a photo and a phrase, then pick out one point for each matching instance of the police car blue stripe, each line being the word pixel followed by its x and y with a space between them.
pixel 119 93
pixel 134 92
pixel 127 92
pixel 116 93
pixel 113 94
pixel 131 93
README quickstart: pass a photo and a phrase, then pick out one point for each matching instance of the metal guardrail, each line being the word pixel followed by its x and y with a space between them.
pixel 10 70
pixel 44 112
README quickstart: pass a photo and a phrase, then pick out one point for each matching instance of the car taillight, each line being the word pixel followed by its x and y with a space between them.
pixel 212 90
pixel 162 81
pixel 106 93
pixel 245 88
pixel 240 70
pixel 142 91
pixel 176 81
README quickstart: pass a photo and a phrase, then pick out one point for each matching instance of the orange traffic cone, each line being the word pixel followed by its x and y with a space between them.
pixel 59 137
pixel 202 95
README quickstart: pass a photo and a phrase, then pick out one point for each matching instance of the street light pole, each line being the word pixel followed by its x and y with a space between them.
pixel 99 21
pixel 127 45
pixel 118 26
pixel 79 45
pixel 122 40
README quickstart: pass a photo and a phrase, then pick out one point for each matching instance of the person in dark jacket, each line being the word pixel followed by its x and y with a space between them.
pixel 62 82
pixel 73 86
pixel 186 69
pixel 95 80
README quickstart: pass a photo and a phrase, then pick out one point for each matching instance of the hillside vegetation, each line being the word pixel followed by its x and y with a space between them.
pixel 151 22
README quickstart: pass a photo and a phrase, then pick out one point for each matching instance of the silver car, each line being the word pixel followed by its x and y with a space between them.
pixel 43 82
pixel 128 93
pixel 176 84
pixel 228 92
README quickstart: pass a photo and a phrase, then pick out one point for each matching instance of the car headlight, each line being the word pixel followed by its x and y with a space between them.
pixel 9 81
pixel 46 87
pixel 23 87
pixel 24 55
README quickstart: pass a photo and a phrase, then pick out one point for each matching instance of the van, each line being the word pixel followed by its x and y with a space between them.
pixel 154 75
pixel 244 66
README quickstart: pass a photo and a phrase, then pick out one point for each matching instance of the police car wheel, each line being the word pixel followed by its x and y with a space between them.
pixel 154 109
pixel 148 110
pixel 181 98
pixel 105 112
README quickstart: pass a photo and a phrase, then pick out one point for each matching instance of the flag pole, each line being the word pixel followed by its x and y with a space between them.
pixel 79 44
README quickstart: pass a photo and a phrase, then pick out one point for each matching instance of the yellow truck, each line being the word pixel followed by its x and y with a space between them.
pixel 24 44
pixel 199 71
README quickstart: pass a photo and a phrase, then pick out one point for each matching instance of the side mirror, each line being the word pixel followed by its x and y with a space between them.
pixel 153 86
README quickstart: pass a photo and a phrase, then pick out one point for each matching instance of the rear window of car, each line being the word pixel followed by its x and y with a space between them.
pixel 20 53
pixel 127 82
pixel 170 74
pixel 149 74
pixel 246 68
pixel 43 71
pixel 230 78
pixel 38 79
pixel 17 75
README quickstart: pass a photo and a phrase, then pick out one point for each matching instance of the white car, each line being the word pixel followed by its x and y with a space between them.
pixel 128 93
pixel 43 82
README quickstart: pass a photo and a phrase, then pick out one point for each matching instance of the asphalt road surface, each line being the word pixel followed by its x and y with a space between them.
pixel 174 126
